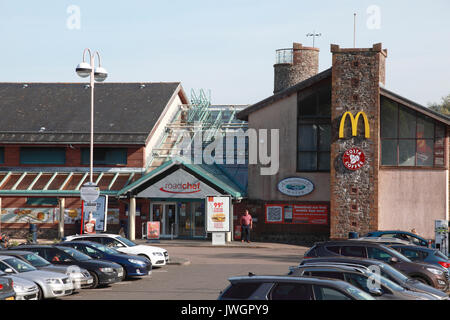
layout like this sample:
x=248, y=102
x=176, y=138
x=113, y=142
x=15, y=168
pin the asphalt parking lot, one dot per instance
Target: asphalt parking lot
x=198, y=271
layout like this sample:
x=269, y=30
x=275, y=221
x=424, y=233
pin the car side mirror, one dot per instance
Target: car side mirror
x=376, y=292
x=9, y=270
x=393, y=260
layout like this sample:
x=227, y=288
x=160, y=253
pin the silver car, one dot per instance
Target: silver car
x=81, y=278
x=50, y=284
x=25, y=289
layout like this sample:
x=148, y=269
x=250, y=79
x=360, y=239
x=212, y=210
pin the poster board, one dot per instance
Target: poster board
x=297, y=214
x=218, y=213
x=100, y=216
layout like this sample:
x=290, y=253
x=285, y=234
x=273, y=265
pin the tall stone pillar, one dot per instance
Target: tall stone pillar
x=132, y=219
x=356, y=78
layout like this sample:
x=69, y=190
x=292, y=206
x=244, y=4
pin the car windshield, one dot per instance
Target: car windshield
x=361, y=295
x=19, y=265
x=75, y=254
x=35, y=260
x=440, y=255
x=394, y=273
x=127, y=242
x=103, y=248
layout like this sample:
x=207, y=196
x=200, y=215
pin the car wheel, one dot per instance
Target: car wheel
x=95, y=280
x=420, y=279
x=40, y=295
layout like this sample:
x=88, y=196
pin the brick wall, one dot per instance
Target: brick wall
x=356, y=75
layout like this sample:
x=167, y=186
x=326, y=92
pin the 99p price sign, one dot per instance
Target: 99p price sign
x=218, y=214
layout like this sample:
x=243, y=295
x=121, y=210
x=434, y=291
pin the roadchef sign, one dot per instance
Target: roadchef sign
x=353, y=159
x=295, y=187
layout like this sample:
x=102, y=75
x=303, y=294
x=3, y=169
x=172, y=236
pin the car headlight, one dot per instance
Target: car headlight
x=136, y=261
x=157, y=254
x=435, y=271
x=52, y=281
x=74, y=275
x=19, y=288
x=106, y=270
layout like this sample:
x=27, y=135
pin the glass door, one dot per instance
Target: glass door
x=165, y=213
x=198, y=216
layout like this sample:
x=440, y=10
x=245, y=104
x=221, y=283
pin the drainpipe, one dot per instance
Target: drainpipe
x=62, y=204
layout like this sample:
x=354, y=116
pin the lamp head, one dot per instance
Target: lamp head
x=84, y=69
x=100, y=74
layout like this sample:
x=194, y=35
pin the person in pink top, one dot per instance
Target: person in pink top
x=246, y=226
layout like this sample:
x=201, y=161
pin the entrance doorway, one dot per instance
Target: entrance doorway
x=191, y=219
x=166, y=214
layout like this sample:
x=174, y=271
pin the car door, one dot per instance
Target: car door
x=378, y=254
x=58, y=256
x=354, y=251
x=326, y=293
x=291, y=291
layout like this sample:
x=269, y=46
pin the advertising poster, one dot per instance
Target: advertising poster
x=98, y=220
x=218, y=214
x=153, y=230
x=28, y=215
x=297, y=214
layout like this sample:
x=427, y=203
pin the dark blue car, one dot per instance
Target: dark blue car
x=402, y=235
x=133, y=265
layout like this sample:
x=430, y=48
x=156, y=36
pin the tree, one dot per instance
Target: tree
x=443, y=107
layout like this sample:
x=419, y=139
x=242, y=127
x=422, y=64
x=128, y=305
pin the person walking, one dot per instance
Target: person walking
x=246, y=226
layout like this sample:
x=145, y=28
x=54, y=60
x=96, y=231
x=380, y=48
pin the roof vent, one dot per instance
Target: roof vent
x=142, y=86
x=25, y=85
x=42, y=129
x=87, y=86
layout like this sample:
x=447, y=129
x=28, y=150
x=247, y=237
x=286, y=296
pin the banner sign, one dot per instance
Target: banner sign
x=153, y=230
x=99, y=217
x=297, y=214
x=218, y=213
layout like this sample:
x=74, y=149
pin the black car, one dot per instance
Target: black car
x=102, y=272
x=361, y=277
x=290, y=288
x=427, y=273
x=384, y=269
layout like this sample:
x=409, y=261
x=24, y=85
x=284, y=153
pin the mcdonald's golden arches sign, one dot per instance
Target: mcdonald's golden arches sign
x=354, y=124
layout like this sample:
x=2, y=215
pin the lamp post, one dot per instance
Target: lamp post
x=99, y=74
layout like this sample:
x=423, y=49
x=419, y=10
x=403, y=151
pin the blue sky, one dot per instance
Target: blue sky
x=227, y=47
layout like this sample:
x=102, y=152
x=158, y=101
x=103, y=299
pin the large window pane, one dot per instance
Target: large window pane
x=425, y=128
x=324, y=109
x=307, y=161
x=389, y=152
x=324, y=161
x=389, y=119
x=307, y=137
x=407, y=123
x=324, y=137
x=42, y=155
x=308, y=106
x=407, y=152
x=425, y=152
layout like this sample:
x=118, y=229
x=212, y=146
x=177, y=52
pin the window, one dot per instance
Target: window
x=314, y=131
x=291, y=291
x=328, y=274
x=378, y=254
x=2, y=155
x=325, y=293
x=42, y=155
x=414, y=255
x=334, y=249
x=105, y=156
x=409, y=138
x=353, y=251
x=241, y=290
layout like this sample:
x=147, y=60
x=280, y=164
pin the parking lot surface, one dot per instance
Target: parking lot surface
x=199, y=271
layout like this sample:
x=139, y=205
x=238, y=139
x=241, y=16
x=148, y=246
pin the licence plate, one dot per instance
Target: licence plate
x=10, y=298
x=120, y=274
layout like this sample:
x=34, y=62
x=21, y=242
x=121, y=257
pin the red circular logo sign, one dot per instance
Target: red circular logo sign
x=353, y=159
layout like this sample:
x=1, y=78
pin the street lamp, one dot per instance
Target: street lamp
x=99, y=74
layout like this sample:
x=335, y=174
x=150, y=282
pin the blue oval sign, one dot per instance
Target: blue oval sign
x=295, y=187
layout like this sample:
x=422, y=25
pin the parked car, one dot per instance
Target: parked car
x=422, y=254
x=402, y=235
x=158, y=256
x=132, y=265
x=81, y=278
x=383, y=240
x=102, y=272
x=6, y=288
x=427, y=273
x=385, y=270
x=290, y=288
x=25, y=289
x=50, y=284
x=361, y=277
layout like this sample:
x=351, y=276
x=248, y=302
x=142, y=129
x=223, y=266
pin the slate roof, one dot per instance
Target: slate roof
x=124, y=112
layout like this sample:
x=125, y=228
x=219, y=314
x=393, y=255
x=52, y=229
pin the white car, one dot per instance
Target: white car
x=158, y=256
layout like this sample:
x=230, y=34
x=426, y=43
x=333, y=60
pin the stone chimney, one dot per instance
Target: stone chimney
x=294, y=65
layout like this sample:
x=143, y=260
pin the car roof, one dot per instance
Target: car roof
x=343, y=259
x=331, y=266
x=412, y=246
x=349, y=242
x=80, y=242
x=16, y=252
x=317, y=280
x=108, y=235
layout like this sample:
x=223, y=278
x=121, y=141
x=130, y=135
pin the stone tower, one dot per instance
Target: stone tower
x=294, y=65
x=356, y=78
